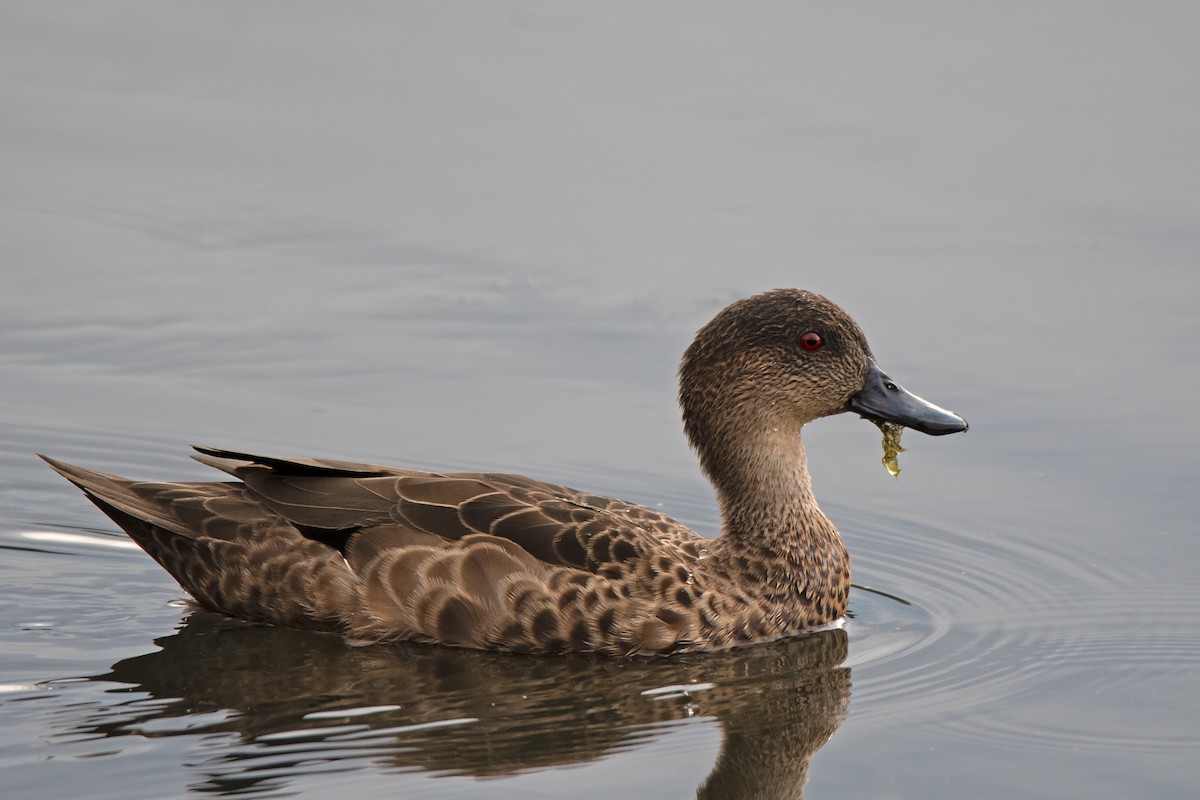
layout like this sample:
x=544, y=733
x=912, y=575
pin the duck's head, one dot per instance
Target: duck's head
x=768, y=364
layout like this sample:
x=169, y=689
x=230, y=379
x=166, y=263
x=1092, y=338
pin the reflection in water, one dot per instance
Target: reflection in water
x=300, y=702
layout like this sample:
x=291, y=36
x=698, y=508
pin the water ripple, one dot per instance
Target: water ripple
x=1004, y=636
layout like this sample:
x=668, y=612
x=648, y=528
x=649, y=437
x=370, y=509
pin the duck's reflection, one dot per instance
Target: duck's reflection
x=777, y=704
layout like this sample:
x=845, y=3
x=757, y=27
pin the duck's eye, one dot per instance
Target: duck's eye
x=811, y=341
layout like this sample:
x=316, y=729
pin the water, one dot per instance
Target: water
x=454, y=237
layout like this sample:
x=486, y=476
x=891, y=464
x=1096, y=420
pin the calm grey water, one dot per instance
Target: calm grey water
x=457, y=236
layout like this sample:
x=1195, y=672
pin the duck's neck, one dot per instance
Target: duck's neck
x=767, y=505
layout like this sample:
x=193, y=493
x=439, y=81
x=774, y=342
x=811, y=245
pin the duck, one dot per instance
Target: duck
x=504, y=562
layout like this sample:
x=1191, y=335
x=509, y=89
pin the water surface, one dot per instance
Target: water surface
x=451, y=237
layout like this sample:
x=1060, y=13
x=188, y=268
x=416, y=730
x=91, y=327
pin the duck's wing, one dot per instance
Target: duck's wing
x=488, y=560
x=382, y=507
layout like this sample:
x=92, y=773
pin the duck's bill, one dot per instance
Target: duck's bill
x=884, y=400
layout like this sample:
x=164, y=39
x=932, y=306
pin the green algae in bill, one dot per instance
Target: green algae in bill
x=891, y=446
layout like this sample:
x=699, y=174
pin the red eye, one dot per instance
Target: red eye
x=811, y=341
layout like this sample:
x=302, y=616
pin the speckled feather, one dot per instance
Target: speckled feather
x=504, y=562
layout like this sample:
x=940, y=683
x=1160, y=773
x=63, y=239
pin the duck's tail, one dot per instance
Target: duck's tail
x=224, y=548
x=140, y=514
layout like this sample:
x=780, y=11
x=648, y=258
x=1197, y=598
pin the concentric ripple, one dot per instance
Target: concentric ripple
x=1005, y=641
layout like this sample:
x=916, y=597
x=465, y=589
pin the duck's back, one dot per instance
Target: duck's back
x=476, y=559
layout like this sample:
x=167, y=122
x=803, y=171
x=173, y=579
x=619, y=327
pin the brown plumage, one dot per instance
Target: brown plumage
x=504, y=562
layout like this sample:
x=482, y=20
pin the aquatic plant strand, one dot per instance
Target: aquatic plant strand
x=891, y=446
